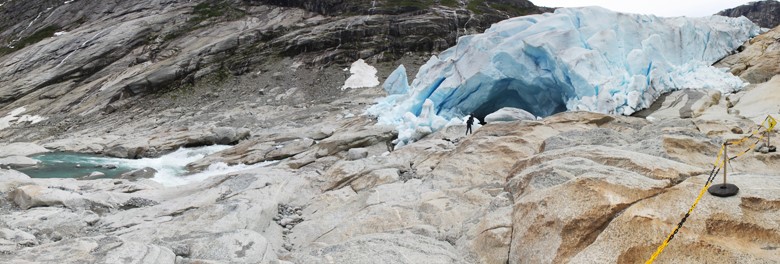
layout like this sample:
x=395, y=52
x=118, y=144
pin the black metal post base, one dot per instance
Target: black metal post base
x=723, y=190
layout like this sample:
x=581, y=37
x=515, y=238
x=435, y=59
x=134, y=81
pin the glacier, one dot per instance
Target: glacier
x=587, y=58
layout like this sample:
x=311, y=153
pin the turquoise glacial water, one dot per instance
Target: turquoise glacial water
x=170, y=167
x=75, y=165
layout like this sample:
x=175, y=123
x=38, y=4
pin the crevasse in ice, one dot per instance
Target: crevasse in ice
x=586, y=58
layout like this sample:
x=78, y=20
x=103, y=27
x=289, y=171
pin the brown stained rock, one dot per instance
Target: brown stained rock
x=720, y=230
x=585, y=197
x=694, y=151
x=757, y=63
x=647, y=165
x=760, y=204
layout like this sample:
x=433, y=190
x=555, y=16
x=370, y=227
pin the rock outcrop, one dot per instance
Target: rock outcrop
x=765, y=13
x=756, y=61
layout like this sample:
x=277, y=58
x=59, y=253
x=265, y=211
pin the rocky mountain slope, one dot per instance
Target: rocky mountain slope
x=765, y=13
x=87, y=58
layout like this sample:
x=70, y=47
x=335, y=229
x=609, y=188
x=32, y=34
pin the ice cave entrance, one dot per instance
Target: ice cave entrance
x=539, y=101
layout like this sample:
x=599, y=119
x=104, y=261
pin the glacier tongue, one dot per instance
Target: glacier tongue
x=586, y=58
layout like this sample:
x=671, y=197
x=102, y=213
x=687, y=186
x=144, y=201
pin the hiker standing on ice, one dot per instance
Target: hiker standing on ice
x=469, y=122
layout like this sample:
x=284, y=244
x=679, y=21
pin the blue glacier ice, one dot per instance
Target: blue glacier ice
x=586, y=58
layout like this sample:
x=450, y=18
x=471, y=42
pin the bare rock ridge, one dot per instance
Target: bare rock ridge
x=765, y=13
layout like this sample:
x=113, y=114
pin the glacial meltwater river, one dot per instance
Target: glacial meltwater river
x=170, y=167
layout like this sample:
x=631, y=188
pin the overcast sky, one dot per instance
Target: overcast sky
x=690, y=8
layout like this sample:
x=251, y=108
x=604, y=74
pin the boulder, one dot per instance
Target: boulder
x=93, y=175
x=227, y=135
x=29, y=196
x=322, y=133
x=145, y=173
x=10, y=179
x=21, y=149
x=357, y=153
x=127, y=150
x=17, y=162
x=361, y=137
x=509, y=114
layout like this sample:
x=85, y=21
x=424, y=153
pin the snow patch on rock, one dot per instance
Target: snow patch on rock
x=363, y=75
x=13, y=117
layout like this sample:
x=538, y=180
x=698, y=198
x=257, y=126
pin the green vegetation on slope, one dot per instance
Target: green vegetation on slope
x=39, y=35
x=216, y=9
x=450, y=3
x=479, y=6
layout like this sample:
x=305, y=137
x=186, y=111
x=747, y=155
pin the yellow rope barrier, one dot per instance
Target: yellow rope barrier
x=717, y=165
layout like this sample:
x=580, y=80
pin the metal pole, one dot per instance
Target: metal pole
x=724, y=189
x=725, y=159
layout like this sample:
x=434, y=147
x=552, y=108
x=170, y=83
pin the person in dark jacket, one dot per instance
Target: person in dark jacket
x=469, y=122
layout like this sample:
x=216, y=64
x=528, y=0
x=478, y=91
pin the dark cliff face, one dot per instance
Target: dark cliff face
x=395, y=7
x=367, y=28
x=373, y=27
x=764, y=13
